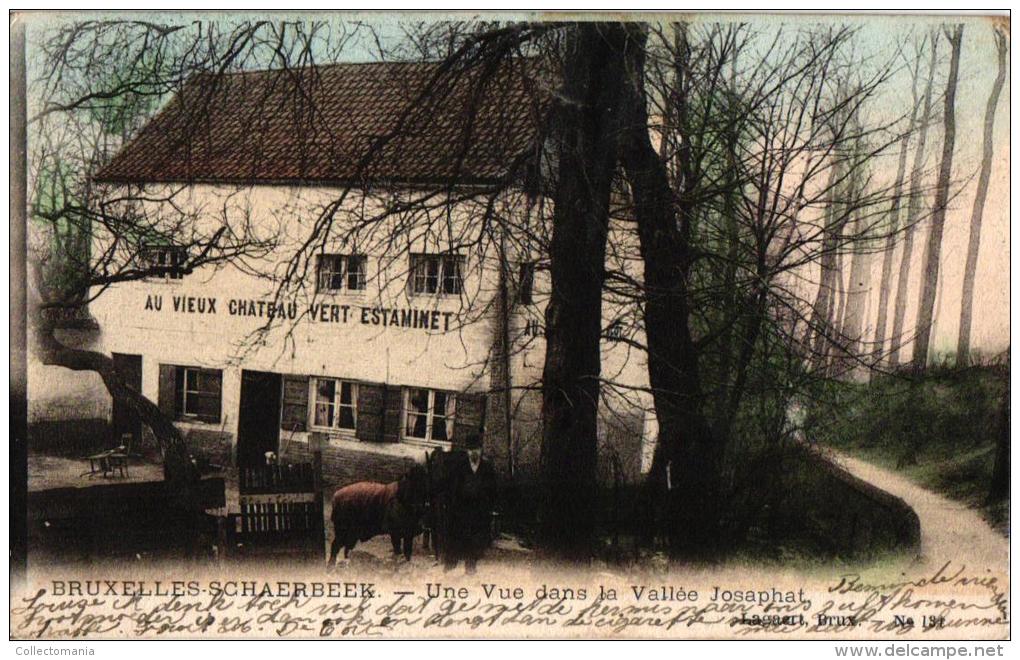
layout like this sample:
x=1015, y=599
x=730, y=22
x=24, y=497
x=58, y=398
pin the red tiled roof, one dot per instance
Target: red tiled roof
x=339, y=123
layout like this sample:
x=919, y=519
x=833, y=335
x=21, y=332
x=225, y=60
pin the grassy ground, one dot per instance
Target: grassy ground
x=939, y=431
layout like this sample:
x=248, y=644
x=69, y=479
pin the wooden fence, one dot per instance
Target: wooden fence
x=281, y=513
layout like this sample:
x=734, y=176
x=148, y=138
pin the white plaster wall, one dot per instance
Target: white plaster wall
x=452, y=358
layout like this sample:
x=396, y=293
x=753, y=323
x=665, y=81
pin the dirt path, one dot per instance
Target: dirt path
x=949, y=530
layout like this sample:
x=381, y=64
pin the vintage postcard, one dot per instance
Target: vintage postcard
x=418, y=326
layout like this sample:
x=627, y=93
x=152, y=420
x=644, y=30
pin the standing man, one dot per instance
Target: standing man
x=472, y=496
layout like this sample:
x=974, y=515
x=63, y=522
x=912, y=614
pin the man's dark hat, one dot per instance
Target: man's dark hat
x=473, y=441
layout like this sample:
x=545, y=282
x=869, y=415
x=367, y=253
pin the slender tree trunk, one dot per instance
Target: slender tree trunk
x=823, y=308
x=885, y=279
x=974, y=244
x=913, y=212
x=857, y=293
x=933, y=250
x=586, y=128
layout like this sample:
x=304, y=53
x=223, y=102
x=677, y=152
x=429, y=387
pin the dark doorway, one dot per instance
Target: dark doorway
x=125, y=421
x=258, y=423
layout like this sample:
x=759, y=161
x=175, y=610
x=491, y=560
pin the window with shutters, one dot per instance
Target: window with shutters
x=163, y=261
x=436, y=274
x=336, y=404
x=342, y=272
x=429, y=415
x=198, y=394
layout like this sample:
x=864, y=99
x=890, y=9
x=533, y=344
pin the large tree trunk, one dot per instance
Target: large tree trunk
x=933, y=250
x=687, y=449
x=586, y=131
x=973, y=245
x=896, y=338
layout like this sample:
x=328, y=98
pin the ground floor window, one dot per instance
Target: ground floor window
x=198, y=393
x=336, y=404
x=428, y=414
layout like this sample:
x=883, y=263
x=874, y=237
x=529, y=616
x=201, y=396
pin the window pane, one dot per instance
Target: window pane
x=203, y=405
x=325, y=389
x=208, y=381
x=439, y=429
x=355, y=272
x=451, y=275
x=324, y=273
x=347, y=417
x=416, y=425
x=418, y=401
x=346, y=393
x=439, y=408
x=323, y=414
x=431, y=275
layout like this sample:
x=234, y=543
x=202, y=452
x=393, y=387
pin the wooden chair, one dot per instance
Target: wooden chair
x=108, y=463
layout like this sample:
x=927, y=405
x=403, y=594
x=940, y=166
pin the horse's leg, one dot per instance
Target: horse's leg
x=395, y=542
x=334, y=549
x=408, y=541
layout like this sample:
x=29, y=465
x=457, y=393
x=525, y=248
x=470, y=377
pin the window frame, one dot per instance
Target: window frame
x=181, y=412
x=336, y=405
x=437, y=267
x=449, y=417
x=343, y=260
x=167, y=266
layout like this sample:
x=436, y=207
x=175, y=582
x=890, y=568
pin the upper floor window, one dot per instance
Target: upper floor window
x=615, y=330
x=338, y=272
x=436, y=273
x=526, y=283
x=164, y=261
x=198, y=394
x=429, y=414
x=336, y=404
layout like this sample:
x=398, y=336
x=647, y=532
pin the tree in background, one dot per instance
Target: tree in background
x=974, y=242
x=933, y=249
x=915, y=204
x=895, y=212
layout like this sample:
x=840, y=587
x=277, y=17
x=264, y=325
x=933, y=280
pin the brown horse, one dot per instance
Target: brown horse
x=366, y=509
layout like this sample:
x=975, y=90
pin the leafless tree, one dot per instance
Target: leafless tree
x=914, y=210
x=974, y=242
x=896, y=211
x=933, y=249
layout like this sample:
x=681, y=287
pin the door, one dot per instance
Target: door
x=125, y=420
x=258, y=422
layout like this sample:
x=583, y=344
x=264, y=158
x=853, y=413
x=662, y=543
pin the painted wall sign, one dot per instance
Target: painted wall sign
x=400, y=317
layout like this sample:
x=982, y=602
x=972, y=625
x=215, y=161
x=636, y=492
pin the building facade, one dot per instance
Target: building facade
x=411, y=321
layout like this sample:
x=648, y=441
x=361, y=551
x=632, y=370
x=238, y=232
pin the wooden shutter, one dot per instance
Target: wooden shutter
x=469, y=416
x=370, y=412
x=167, y=389
x=393, y=406
x=294, y=416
